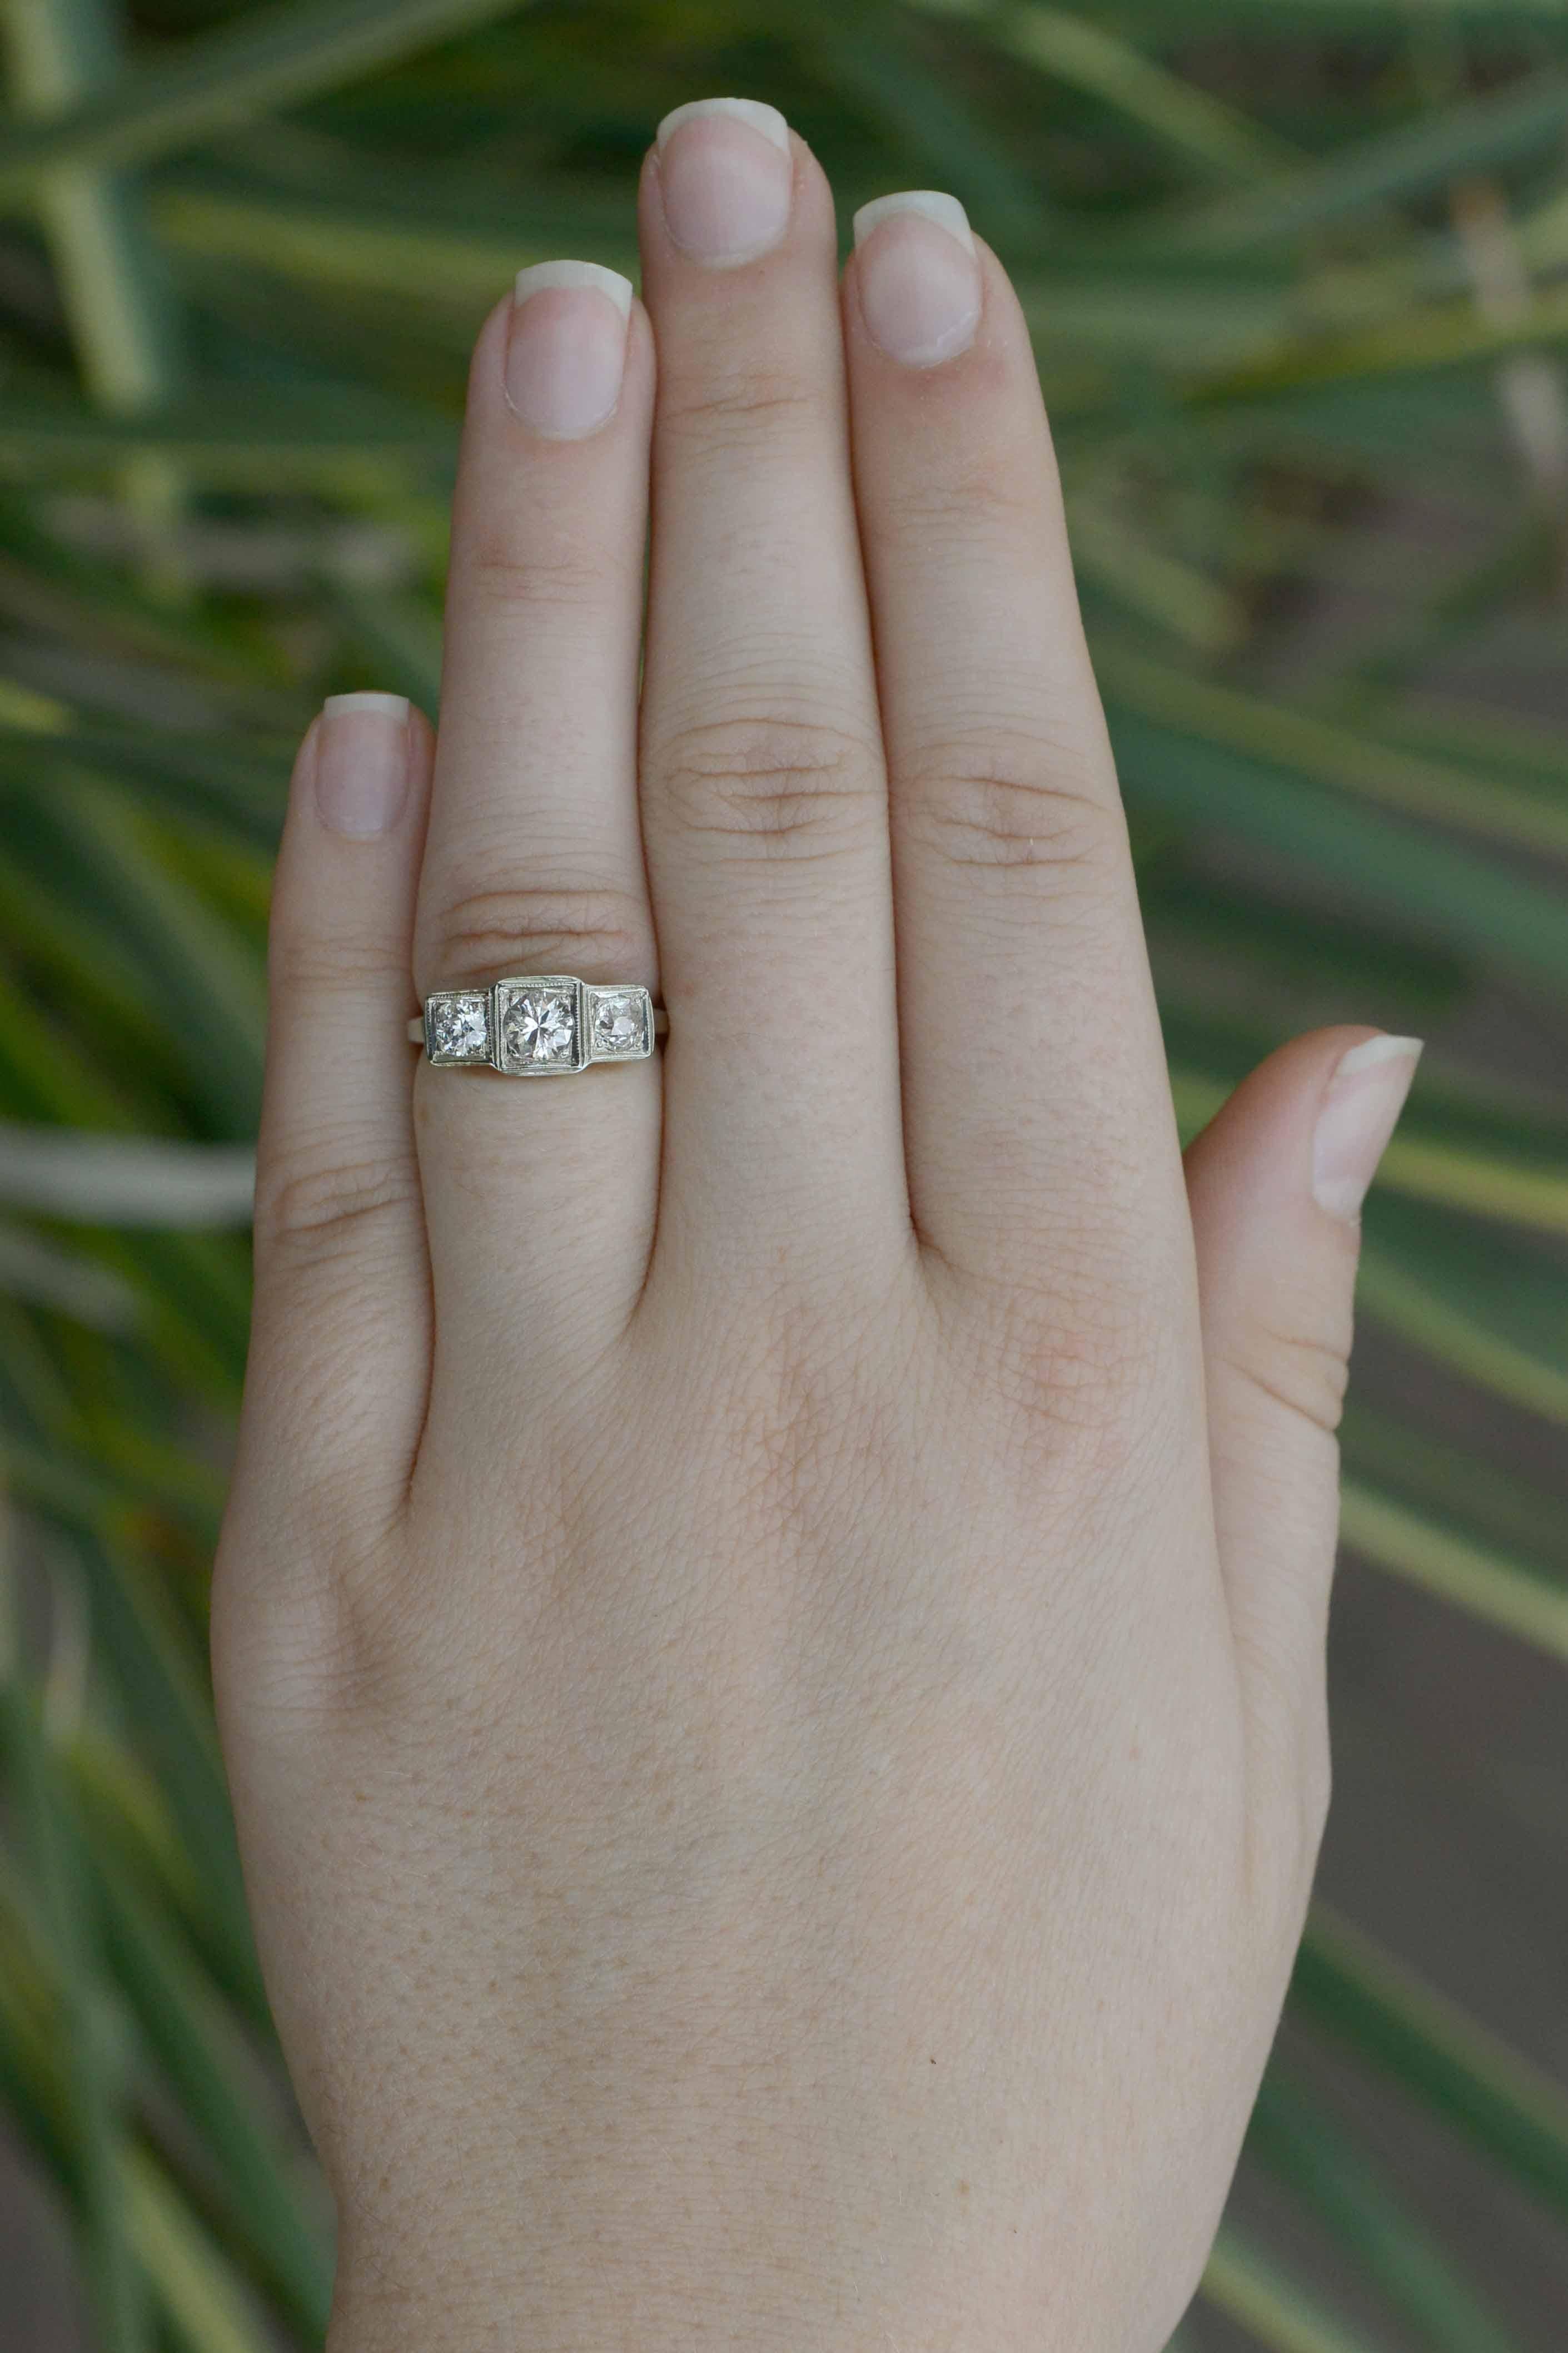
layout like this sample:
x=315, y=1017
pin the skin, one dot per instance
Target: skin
x=769, y=1632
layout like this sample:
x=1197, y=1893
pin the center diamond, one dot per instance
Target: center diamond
x=539, y=1029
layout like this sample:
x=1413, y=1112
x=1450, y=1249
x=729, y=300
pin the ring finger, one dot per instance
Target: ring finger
x=535, y=857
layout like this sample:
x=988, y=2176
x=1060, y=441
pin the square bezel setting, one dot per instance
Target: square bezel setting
x=620, y=1025
x=457, y=1024
x=540, y=1030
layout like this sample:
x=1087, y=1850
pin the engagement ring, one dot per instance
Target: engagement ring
x=537, y=1027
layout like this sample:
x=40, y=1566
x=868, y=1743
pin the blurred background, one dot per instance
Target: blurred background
x=1297, y=276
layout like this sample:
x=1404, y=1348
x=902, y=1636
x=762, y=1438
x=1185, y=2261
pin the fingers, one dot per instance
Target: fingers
x=534, y=861
x=1036, y=1109
x=1275, y=1183
x=764, y=799
x=341, y=1333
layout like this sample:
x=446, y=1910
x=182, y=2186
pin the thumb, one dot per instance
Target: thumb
x=1275, y=1185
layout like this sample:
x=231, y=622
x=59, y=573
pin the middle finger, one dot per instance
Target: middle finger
x=764, y=797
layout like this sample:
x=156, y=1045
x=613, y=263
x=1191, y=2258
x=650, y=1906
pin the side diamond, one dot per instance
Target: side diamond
x=459, y=1027
x=620, y=1022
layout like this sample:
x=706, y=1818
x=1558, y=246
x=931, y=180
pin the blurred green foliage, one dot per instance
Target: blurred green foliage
x=1289, y=263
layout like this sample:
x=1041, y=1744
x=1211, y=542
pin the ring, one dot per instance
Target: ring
x=537, y=1026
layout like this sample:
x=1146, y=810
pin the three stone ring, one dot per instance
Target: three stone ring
x=537, y=1026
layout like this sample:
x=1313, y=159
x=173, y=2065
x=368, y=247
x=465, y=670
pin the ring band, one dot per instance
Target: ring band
x=537, y=1026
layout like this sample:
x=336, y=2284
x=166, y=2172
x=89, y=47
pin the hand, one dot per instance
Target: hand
x=770, y=1628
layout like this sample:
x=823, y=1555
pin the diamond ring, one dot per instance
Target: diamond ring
x=537, y=1026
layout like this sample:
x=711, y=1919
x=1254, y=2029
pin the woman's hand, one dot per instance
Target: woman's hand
x=770, y=1629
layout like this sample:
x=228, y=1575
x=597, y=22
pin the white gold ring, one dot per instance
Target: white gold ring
x=537, y=1026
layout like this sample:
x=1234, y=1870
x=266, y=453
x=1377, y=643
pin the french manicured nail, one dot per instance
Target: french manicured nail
x=566, y=347
x=726, y=177
x=918, y=275
x=1364, y=1097
x=362, y=762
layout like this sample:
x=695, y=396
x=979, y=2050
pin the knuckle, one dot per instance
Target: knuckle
x=315, y=1641
x=305, y=962
x=796, y=787
x=1303, y=1372
x=805, y=1420
x=1085, y=1369
x=736, y=407
x=974, y=497
x=310, y=1211
x=507, y=570
x=1084, y=1411
x=1077, y=1370
x=1007, y=800
x=596, y=930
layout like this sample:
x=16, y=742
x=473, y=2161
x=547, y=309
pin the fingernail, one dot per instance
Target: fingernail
x=1364, y=1098
x=362, y=762
x=918, y=275
x=566, y=347
x=726, y=177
